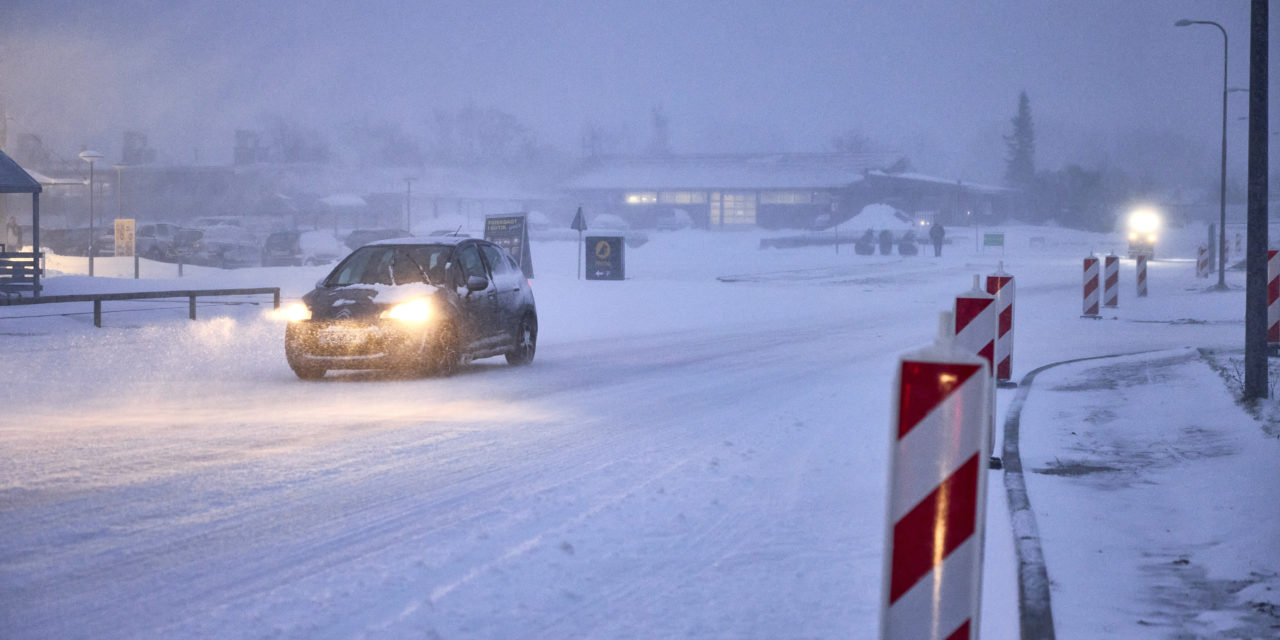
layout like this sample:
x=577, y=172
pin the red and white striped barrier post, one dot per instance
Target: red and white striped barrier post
x=1202, y=261
x=1111, y=282
x=1141, y=278
x=1090, y=287
x=932, y=587
x=1273, y=299
x=975, y=317
x=1001, y=285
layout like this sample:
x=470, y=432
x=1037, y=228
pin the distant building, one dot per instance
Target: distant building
x=771, y=191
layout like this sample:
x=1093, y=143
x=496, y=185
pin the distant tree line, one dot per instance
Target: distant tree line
x=1072, y=196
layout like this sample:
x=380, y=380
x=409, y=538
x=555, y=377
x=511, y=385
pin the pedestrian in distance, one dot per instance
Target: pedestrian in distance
x=936, y=234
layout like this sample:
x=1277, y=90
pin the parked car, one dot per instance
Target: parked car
x=75, y=242
x=163, y=241
x=361, y=237
x=423, y=305
x=296, y=248
x=226, y=246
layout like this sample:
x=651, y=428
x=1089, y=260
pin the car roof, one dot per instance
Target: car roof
x=439, y=240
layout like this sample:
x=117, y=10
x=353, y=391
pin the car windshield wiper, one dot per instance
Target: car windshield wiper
x=422, y=272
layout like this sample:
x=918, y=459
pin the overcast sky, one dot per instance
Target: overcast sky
x=1110, y=82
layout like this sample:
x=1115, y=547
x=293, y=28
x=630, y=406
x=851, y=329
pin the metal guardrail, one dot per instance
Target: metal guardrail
x=98, y=298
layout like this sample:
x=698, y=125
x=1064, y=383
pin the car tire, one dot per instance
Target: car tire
x=444, y=355
x=526, y=342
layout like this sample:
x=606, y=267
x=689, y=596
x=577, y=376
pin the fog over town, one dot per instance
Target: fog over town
x=1112, y=85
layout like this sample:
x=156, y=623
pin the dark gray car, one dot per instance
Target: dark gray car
x=424, y=305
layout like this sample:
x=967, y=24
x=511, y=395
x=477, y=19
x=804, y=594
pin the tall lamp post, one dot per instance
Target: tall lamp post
x=1222, y=193
x=91, y=157
x=408, y=203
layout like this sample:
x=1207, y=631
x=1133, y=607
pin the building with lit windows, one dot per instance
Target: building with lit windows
x=771, y=191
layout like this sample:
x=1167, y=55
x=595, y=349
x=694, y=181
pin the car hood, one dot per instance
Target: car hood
x=362, y=301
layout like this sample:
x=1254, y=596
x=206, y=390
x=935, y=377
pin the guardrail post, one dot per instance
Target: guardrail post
x=275, y=298
x=191, y=304
x=97, y=313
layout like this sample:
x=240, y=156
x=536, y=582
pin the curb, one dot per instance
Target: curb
x=1035, y=610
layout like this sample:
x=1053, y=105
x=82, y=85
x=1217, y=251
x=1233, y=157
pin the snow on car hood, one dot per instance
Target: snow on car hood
x=392, y=294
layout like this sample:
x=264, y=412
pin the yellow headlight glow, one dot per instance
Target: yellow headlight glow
x=296, y=312
x=411, y=311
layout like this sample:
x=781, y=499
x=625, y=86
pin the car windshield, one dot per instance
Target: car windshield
x=390, y=264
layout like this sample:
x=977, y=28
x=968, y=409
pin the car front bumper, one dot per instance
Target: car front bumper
x=356, y=345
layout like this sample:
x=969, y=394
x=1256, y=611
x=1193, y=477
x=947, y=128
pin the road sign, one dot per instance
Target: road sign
x=605, y=258
x=511, y=233
x=124, y=237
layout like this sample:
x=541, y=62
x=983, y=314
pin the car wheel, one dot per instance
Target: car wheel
x=443, y=356
x=526, y=342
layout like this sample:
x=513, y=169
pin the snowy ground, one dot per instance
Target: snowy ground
x=698, y=451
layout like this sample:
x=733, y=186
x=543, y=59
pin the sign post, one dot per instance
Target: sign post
x=605, y=258
x=511, y=233
x=932, y=585
x=579, y=225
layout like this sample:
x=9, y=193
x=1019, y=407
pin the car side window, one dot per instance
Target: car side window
x=469, y=263
x=493, y=256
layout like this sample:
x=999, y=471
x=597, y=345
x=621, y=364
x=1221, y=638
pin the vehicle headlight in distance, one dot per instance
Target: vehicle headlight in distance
x=1132, y=236
x=412, y=311
x=1151, y=238
x=1144, y=221
x=296, y=312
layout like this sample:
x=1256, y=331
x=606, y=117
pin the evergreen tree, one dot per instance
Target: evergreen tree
x=1020, y=164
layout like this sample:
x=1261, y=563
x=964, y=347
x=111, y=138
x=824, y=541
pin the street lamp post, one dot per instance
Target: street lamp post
x=91, y=157
x=408, y=204
x=1222, y=185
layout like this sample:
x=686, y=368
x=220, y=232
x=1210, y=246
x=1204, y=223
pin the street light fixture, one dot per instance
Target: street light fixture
x=1222, y=193
x=91, y=157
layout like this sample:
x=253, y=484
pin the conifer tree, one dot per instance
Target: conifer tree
x=1020, y=164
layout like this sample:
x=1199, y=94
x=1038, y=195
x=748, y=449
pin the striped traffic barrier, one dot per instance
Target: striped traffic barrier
x=975, y=327
x=1090, y=287
x=1001, y=285
x=1141, y=277
x=975, y=314
x=932, y=587
x=1273, y=298
x=1111, y=282
x=1202, y=261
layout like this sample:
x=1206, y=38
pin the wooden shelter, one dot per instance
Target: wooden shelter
x=19, y=270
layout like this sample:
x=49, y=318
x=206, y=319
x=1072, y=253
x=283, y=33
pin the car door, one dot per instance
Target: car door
x=507, y=283
x=478, y=308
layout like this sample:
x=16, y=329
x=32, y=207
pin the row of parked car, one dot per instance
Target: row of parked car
x=218, y=244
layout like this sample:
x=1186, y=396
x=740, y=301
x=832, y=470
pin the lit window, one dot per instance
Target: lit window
x=642, y=197
x=682, y=197
x=786, y=197
x=733, y=208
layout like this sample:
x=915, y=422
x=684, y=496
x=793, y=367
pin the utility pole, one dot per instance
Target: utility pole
x=408, y=204
x=1255, y=307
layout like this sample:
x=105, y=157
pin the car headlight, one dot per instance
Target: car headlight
x=411, y=311
x=296, y=312
x=1151, y=238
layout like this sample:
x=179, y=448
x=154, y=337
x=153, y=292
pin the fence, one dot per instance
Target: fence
x=98, y=298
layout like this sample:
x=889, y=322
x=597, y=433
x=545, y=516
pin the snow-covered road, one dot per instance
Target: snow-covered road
x=687, y=457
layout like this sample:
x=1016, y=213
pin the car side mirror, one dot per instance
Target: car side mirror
x=477, y=283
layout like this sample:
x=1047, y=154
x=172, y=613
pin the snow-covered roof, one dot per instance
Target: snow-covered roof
x=775, y=171
x=13, y=179
x=935, y=180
